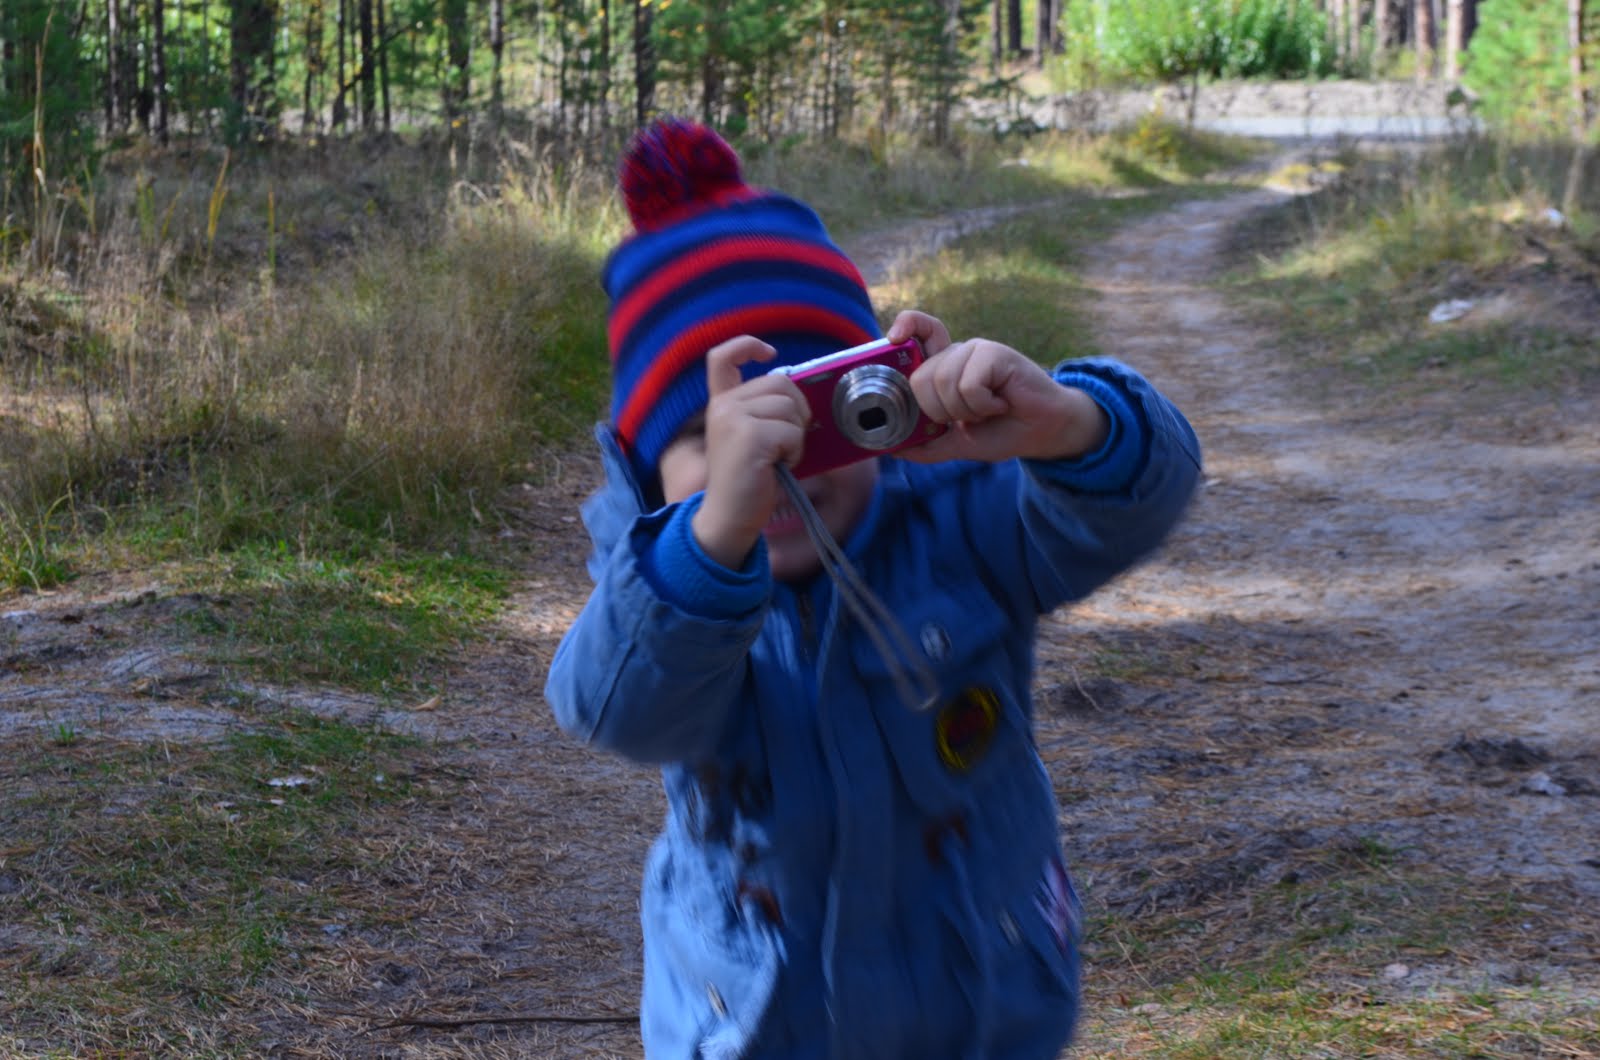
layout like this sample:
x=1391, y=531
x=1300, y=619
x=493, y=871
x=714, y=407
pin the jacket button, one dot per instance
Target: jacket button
x=717, y=1004
x=1008, y=928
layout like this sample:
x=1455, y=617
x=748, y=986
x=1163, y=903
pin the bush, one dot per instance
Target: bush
x=1167, y=40
x=1517, y=63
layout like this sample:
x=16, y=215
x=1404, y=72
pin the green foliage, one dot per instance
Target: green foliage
x=30, y=551
x=1518, y=65
x=362, y=619
x=42, y=133
x=1169, y=40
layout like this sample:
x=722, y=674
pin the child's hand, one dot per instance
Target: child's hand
x=999, y=404
x=750, y=427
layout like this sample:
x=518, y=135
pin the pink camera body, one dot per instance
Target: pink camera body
x=861, y=404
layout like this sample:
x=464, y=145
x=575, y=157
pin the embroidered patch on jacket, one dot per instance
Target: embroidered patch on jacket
x=1058, y=903
x=965, y=728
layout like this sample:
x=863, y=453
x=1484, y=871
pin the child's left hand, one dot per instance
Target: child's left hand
x=999, y=403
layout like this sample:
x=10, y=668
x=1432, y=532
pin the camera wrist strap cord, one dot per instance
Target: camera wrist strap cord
x=914, y=680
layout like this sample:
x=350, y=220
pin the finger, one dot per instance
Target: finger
x=725, y=359
x=928, y=384
x=780, y=384
x=928, y=330
x=777, y=406
x=979, y=387
x=775, y=441
x=954, y=444
x=950, y=382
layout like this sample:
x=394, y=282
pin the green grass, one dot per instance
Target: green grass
x=306, y=447
x=31, y=554
x=1351, y=274
x=371, y=622
x=1312, y=968
x=165, y=879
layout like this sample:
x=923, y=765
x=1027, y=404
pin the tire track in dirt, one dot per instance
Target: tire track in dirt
x=1381, y=621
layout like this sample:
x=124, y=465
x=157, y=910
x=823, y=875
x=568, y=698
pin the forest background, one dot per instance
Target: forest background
x=298, y=310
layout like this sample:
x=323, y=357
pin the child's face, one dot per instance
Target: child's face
x=840, y=497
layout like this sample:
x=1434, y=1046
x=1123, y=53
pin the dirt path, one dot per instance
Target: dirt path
x=1374, y=629
x=1381, y=625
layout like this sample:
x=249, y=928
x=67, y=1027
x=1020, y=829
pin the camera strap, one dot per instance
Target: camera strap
x=914, y=679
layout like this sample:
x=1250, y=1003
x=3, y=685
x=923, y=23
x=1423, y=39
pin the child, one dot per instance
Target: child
x=839, y=875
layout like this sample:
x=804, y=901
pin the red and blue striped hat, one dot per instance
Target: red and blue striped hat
x=712, y=258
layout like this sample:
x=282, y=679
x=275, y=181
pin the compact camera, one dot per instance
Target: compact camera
x=861, y=404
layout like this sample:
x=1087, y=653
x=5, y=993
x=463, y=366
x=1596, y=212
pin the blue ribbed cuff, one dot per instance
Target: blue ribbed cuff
x=686, y=577
x=1112, y=467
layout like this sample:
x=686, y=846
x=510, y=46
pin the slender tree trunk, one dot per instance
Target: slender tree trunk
x=1581, y=103
x=383, y=64
x=1380, y=32
x=1049, y=13
x=497, y=48
x=644, y=63
x=316, y=64
x=342, y=33
x=158, y=65
x=996, y=35
x=366, y=72
x=458, y=51
x=1014, y=27
x=251, y=35
x=605, y=63
x=1455, y=38
x=1424, y=39
x=1336, y=29
x=115, y=113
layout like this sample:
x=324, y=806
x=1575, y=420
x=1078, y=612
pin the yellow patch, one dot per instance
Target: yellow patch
x=965, y=728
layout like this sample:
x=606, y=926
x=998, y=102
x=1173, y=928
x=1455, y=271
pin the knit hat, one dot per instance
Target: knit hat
x=710, y=259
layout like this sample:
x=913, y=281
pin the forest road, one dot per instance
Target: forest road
x=1378, y=627
x=1379, y=624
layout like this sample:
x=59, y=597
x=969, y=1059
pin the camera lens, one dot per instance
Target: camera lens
x=873, y=407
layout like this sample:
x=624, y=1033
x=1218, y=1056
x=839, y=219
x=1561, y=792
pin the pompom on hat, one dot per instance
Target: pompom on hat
x=710, y=259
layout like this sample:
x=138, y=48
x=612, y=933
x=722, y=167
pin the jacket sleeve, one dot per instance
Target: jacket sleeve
x=1082, y=522
x=638, y=673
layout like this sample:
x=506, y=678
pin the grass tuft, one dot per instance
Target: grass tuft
x=1367, y=261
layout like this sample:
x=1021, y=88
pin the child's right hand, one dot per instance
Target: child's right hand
x=750, y=427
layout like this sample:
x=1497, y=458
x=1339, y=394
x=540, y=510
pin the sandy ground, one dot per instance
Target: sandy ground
x=1380, y=624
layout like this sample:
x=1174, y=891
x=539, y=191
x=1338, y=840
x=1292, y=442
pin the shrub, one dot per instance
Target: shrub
x=1517, y=63
x=1167, y=40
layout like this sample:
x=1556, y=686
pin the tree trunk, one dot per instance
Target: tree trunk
x=458, y=53
x=497, y=48
x=383, y=63
x=644, y=63
x=316, y=64
x=341, y=31
x=1424, y=39
x=605, y=63
x=1014, y=27
x=997, y=29
x=1580, y=108
x=1380, y=31
x=710, y=88
x=116, y=95
x=1455, y=39
x=1046, y=31
x=158, y=65
x=366, y=72
x=250, y=35
x=1336, y=28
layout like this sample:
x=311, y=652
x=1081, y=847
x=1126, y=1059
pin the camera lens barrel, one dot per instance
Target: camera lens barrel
x=873, y=407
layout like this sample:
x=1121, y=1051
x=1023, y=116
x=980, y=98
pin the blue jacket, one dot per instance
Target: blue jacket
x=840, y=876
